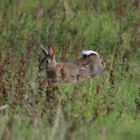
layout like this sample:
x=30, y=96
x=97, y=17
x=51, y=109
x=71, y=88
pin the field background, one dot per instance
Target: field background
x=104, y=108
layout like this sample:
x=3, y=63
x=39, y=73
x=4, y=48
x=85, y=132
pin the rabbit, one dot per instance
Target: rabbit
x=89, y=65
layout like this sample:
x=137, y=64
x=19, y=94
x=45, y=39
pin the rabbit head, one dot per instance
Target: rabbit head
x=48, y=62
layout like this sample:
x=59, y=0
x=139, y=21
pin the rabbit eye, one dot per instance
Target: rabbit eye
x=47, y=61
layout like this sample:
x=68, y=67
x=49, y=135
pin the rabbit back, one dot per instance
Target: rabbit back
x=66, y=72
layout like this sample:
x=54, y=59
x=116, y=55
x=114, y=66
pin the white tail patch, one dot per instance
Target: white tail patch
x=89, y=52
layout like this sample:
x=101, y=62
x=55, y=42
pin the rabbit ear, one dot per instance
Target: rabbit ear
x=44, y=50
x=51, y=51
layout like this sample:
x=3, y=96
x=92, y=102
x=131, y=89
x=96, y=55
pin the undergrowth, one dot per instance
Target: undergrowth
x=106, y=107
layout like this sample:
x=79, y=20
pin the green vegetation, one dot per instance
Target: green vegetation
x=104, y=108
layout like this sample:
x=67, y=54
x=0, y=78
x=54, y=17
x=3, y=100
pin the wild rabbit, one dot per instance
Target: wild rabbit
x=88, y=66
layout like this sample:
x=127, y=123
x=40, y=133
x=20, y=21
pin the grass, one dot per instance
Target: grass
x=106, y=107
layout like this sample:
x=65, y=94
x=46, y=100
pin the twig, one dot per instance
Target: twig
x=4, y=107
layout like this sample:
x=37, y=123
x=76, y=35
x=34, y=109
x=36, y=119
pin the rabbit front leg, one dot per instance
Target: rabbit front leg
x=44, y=84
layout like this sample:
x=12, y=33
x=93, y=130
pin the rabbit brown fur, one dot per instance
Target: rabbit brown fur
x=75, y=71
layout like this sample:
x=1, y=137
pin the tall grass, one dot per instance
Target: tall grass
x=106, y=107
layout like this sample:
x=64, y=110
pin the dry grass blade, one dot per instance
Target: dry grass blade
x=56, y=123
